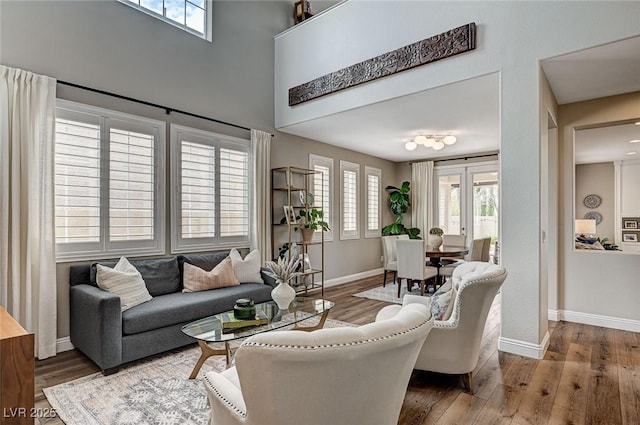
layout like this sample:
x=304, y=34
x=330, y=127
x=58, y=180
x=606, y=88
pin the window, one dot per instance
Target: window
x=374, y=181
x=350, y=177
x=193, y=16
x=210, y=181
x=107, y=197
x=323, y=189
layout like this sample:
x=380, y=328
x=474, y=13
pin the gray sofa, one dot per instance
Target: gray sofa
x=110, y=337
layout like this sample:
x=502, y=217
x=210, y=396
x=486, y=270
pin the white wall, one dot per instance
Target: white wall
x=597, y=287
x=512, y=38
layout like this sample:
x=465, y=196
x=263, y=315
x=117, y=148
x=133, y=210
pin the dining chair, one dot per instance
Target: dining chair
x=389, y=256
x=412, y=264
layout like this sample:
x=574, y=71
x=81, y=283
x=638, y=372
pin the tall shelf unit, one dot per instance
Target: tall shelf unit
x=289, y=188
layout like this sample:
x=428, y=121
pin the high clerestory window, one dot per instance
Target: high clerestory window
x=193, y=16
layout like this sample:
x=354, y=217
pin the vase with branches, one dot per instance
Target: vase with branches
x=283, y=271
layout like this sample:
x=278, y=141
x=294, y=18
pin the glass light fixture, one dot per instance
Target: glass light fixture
x=410, y=145
x=438, y=146
x=429, y=142
x=449, y=140
x=421, y=140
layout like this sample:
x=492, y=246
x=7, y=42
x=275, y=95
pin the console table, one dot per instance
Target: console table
x=17, y=372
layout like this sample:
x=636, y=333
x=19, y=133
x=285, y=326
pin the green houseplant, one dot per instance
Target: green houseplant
x=399, y=203
x=312, y=221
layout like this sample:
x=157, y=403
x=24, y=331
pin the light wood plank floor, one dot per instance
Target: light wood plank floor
x=589, y=376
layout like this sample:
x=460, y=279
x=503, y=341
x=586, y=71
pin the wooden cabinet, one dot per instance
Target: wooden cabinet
x=17, y=372
x=292, y=192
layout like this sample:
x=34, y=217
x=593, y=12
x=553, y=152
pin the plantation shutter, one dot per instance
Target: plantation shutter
x=198, y=190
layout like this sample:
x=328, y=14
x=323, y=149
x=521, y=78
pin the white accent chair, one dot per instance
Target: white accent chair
x=412, y=264
x=389, y=256
x=453, y=346
x=478, y=251
x=328, y=376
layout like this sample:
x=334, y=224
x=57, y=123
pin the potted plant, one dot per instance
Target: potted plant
x=312, y=221
x=399, y=203
x=435, y=237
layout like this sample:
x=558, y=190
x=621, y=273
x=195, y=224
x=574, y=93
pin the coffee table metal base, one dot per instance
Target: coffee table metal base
x=207, y=351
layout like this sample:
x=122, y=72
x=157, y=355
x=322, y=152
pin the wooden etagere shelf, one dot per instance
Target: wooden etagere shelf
x=291, y=187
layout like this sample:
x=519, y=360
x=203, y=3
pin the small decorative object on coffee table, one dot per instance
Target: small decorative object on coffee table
x=283, y=271
x=244, y=309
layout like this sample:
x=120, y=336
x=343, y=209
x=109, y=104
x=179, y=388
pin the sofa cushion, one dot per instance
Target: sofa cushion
x=124, y=281
x=205, y=261
x=175, y=308
x=247, y=269
x=195, y=279
x=161, y=275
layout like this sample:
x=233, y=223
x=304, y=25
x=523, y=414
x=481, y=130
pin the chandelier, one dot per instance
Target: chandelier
x=436, y=142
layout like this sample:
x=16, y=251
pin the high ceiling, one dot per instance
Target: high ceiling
x=470, y=109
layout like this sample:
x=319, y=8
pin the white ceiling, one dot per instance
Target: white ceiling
x=470, y=109
x=606, y=144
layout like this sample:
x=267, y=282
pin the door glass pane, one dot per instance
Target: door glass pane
x=449, y=204
x=485, y=207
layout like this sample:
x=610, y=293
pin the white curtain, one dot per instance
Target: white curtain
x=422, y=190
x=261, y=213
x=27, y=241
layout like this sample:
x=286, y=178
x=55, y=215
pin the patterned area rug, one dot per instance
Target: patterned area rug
x=389, y=293
x=154, y=391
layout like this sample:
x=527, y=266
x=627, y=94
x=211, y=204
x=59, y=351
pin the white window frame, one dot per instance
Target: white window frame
x=323, y=161
x=349, y=234
x=105, y=248
x=183, y=245
x=208, y=15
x=377, y=232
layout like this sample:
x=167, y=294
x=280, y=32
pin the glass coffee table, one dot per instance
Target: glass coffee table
x=209, y=329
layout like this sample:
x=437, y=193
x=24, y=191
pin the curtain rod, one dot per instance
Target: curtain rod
x=167, y=109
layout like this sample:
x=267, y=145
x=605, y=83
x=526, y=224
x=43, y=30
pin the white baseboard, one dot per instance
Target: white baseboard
x=524, y=348
x=64, y=344
x=350, y=278
x=596, y=320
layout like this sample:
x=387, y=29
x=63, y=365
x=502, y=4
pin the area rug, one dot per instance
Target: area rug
x=156, y=391
x=389, y=293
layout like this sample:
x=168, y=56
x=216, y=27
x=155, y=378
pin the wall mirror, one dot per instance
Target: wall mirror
x=607, y=188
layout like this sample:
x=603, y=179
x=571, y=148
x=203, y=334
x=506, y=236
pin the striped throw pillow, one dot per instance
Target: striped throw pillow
x=196, y=279
x=125, y=281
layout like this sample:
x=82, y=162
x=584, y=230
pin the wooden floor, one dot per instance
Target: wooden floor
x=590, y=375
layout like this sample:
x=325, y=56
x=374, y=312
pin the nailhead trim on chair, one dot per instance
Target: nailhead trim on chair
x=221, y=397
x=314, y=347
x=444, y=324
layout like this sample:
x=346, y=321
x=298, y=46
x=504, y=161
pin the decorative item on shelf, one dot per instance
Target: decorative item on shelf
x=312, y=221
x=244, y=309
x=306, y=198
x=302, y=10
x=399, y=203
x=435, y=237
x=592, y=201
x=289, y=214
x=283, y=270
x=593, y=215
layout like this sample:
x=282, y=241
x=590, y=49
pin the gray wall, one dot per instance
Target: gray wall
x=109, y=46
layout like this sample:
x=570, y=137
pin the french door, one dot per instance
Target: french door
x=467, y=201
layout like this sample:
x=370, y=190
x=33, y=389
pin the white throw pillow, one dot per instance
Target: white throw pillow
x=125, y=281
x=247, y=270
x=442, y=301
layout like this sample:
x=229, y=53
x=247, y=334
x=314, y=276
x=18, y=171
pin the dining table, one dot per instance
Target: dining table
x=436, y=254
